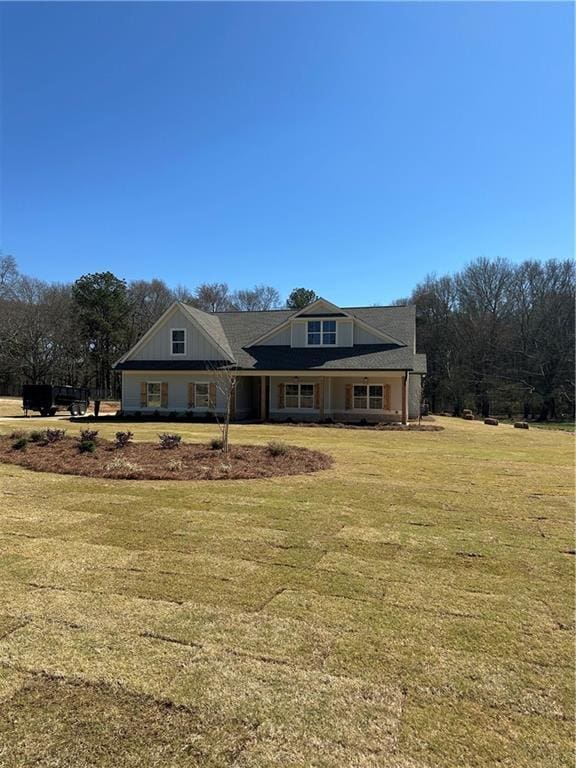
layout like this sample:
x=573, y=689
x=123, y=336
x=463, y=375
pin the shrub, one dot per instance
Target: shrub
x=216, y=444
x=54, y=435
x=175, y=465
x=87, y=446
x=170, y=440
x=38, y=436
x=123, y=466
x=18, y=433
x=88, y=435
x=277, y=449
x=123, y=438
x=21, y=444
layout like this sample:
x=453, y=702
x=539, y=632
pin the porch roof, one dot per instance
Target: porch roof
x=361, y=358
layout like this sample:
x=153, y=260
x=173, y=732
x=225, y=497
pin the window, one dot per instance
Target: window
x=368, y=396
x=321, y=332
x=178, y=341
x=202, y=395
x=153, y=394
x=299, y=396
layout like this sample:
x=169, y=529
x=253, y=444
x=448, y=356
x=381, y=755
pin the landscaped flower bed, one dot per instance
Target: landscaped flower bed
x=151, y=461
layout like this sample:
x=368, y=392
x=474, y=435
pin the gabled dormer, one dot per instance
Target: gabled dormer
x=322, y=324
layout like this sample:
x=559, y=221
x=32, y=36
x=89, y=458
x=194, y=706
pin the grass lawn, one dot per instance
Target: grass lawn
x=565, y=426
x=11, y=406
x=411, y=607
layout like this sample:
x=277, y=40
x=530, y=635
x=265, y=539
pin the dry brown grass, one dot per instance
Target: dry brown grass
x=12, y=407
x=411, y=607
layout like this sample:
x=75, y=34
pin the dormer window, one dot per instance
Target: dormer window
x=178, y=341
x=321, y=332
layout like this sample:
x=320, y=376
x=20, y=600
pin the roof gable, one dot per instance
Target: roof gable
x=321, y=308
x=208, y=331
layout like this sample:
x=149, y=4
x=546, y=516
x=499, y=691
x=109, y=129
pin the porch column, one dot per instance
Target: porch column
x=321, y=397
x=263, y=398
x=405, y=398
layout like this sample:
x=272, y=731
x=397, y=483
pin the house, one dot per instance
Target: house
x=320, y=362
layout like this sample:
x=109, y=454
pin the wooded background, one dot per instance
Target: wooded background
x=499, y=336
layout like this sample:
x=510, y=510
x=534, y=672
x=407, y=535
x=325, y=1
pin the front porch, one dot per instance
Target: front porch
x=340, y=396
x=344, y=397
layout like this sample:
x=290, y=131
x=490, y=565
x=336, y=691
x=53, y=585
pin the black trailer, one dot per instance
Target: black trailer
x=48, y=399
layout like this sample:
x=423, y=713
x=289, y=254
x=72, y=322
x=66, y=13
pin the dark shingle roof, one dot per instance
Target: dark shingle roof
x=235, y=333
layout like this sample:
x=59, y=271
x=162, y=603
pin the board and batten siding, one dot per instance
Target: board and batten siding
x=159, y=346
x=344, y=331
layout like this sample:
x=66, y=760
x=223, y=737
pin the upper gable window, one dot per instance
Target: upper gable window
x=321, y=332
x=178, y=341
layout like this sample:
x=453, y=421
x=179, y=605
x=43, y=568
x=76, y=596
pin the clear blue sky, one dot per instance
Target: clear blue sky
x=350, y=148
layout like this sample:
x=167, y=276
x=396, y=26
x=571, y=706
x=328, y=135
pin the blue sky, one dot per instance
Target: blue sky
x=350, y=148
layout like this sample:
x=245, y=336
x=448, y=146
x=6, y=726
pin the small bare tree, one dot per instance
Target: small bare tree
x=226, y=379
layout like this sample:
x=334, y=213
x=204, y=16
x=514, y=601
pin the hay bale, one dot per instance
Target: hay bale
x=521, y=425
x=491, y=422
x=468, y=416
x=466, y=411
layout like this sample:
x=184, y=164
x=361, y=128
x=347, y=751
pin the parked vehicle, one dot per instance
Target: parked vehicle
x=48, y=399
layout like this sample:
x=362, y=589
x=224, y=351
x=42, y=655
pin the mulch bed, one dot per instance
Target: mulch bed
x=379, y=427
x=147, y=461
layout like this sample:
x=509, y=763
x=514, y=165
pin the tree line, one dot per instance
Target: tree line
x=72, y=333
x=499, y=337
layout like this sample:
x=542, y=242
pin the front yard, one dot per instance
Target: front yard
x=411, y=607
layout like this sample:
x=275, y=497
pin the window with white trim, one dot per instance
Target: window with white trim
x=299, y=396
x=153, y=394
x=178, y=341
x=368, y=397
x=321, y=332
x=202, y=395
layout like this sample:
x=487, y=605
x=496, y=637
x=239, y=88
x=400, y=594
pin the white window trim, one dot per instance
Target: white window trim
x=203, y=407
x=368, y=409
x=299, y=384
x=172, y=342
x=156, y=407
x=321, y=321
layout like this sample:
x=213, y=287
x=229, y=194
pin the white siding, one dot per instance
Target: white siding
x=177, y=390
x=345, y=333
x=299, y=334
x=159, y=346
x=338, y=405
